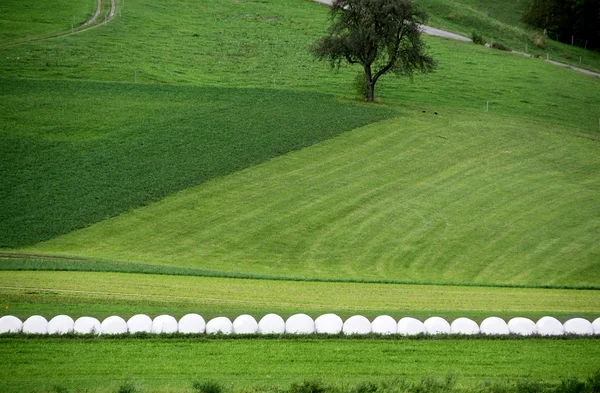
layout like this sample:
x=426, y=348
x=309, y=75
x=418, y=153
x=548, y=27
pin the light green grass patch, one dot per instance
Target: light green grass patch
x=420, y=198
x=104, y=294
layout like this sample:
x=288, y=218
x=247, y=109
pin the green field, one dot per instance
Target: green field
x=104, y=294
x=174, y=364
x=191, y=157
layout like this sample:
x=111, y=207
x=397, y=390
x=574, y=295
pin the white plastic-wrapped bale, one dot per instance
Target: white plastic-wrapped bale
x=139, y=323
x=299, y=324
x=114, y=325
x=464, y=326
x=245, y=324
x=596, y=326
x=494, y=326
x=164, y=324
x=191, y=324
x=437, y=325
x=522, y=326
x=409, y=326
x=35, y=324
x=549, y=326
x=219, y=325
x=384, y=324
x=87, y=325
x=579, y=326
x=357, y=324
x=61, y=324
x=271, y=324
x=10, y=324
x=329, y=324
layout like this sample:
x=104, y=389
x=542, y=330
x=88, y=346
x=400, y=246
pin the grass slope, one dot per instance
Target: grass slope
x=499, y=21
x=24, y=19
x=35, y=364
x=115, y=147
x=103, y=294
x=419, y=198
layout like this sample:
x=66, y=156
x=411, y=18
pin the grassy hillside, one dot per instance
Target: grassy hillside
x=26, y=19
x=464, y=195
x=499, y=21
x=420, y=198
x=75, y=153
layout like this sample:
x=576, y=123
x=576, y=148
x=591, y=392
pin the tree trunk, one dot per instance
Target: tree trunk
x=369, y=84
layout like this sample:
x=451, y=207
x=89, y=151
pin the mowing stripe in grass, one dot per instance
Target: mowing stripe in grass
x=60, y=263
x=99, y=294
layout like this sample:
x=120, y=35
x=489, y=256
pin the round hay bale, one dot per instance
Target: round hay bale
x=114, y=325
x=35, y=324
x=139, y=323
x=164, y=324
x=245, y=324
x=10, y=324
x=596, y=325
x=191, y=324
x=549, y=326
x=219, y=325
x=464, y=326
x=408, y=326
x=329, y=324
x=271, y=324
x=61, y=324
x=437, y=325
x=357, y=324
x=384, y=324
x=494, y=326
x=579, y=326
x=299, y=324
x=522, y=326
x=87, y=325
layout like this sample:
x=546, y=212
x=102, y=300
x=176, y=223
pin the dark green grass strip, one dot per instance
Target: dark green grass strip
x=37, y=364
x=15, y=263
x=75, y=153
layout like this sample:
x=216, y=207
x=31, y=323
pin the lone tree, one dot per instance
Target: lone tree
x=380, y=35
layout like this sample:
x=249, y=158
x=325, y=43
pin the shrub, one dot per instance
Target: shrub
x=365, y=387
x=127, y=387
x=539, y=40
x=477, y=38
x=207, y=387
x=308, y=387
x=500, y=46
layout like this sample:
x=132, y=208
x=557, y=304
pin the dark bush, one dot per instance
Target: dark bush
x=477, y=38
x=127, y=387
x=500, y=46
x=309, y=387
x=207, y=387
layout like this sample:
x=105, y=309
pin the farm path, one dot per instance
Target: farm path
x=87, y=25
x=446, y=34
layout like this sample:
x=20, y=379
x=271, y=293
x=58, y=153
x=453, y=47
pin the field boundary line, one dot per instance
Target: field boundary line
x=25, y=262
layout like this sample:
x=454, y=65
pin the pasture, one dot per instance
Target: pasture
x=194, y=158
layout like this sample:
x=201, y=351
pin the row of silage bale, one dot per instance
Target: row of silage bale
x=297, y=324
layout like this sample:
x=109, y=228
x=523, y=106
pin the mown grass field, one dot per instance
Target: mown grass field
x=172, y=365
x=104, y=294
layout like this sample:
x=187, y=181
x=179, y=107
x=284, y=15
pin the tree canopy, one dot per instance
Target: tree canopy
x=380, y=35
x=570, y=21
